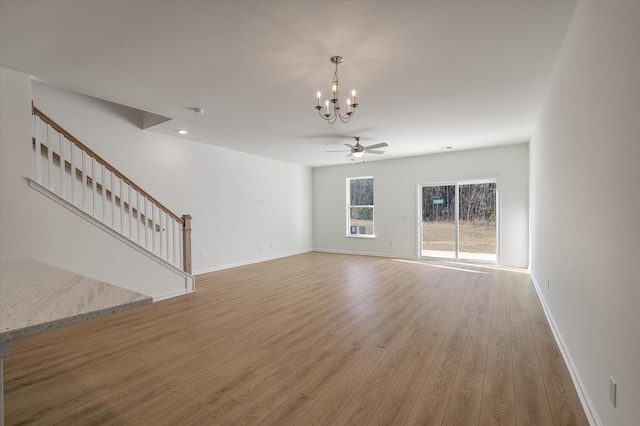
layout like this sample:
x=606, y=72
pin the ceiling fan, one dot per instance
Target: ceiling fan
x=358, y=150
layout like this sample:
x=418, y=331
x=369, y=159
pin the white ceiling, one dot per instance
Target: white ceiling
x=429, y=74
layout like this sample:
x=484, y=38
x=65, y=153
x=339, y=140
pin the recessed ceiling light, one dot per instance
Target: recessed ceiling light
x=183, y=132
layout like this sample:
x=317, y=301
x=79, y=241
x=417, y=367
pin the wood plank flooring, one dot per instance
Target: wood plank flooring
x=314, y=339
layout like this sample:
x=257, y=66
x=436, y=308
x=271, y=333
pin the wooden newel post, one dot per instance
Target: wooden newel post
x=186, y=243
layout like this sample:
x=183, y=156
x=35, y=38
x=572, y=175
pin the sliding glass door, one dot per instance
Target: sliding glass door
x=439, y=221
x=459, y=221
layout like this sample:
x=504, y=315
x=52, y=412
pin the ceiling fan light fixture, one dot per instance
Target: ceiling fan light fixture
x=357, y=154
x=332, y=114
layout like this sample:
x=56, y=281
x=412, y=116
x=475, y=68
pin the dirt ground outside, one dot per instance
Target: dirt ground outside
x=474, y=238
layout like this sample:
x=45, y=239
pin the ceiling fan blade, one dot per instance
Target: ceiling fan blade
x=349, y=145
x=378, y=145
x=374, y=151
x=340, y=150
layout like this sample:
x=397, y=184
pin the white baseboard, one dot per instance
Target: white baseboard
x=248, y=262
x=589, y=408
x=169, y=295
x=365, y=253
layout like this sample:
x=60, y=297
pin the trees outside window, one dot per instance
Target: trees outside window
x=360, y=206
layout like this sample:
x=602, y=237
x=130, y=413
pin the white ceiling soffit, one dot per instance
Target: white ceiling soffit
x=429, y=74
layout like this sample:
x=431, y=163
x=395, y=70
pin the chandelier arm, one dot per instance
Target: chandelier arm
x=345, y=119
x=327, y=118
x=332, y=117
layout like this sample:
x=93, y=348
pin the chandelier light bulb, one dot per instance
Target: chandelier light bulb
x=333, y=114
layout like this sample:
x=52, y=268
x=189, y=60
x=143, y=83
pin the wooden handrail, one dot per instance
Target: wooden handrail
x=184, y=221
x=100, y=160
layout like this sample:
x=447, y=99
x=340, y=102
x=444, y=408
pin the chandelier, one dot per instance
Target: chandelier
x=332, y=114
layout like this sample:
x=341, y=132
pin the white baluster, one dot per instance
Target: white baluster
x=122, y=207
x=94, y=186
x=176, y=244
x=144, y=218
x=114, y=207
x=104, y=194
x=63, y=169
x=85, y=183
x=148, y=230
x=169, y=236
x=153, y=228
x=133, y=216
x=175, y=234
x=180, y=247
x=142, y=235
x=50, y=158
x=163, y=235
x=156, y=230
x=73, y=172
x=38, y=150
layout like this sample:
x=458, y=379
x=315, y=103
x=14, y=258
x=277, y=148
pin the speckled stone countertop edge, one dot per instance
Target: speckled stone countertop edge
x=30, y=330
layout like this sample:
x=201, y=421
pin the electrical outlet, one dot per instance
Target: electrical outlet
x=390, y=244
x=203, y=255
x=612, y=390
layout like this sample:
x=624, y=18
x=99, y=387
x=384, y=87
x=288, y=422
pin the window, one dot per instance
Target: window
x=360, y=206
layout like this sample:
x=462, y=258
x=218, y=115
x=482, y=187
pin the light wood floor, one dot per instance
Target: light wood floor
x=311, y=339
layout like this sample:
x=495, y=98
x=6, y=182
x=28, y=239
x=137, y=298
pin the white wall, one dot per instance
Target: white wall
x=238, y=201
x=395, y=193
x=35, y=227
x=585, y=198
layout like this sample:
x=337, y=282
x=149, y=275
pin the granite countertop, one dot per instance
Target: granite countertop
x=36, y=297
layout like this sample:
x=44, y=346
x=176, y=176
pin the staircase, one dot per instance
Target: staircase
x=67, y=171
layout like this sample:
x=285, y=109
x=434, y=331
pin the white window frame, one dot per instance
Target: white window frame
x=349, y=207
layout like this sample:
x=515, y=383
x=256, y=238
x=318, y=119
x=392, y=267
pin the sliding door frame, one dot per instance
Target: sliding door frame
x=456, y=184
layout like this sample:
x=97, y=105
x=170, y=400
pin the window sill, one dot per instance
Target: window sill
x=359, y=236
